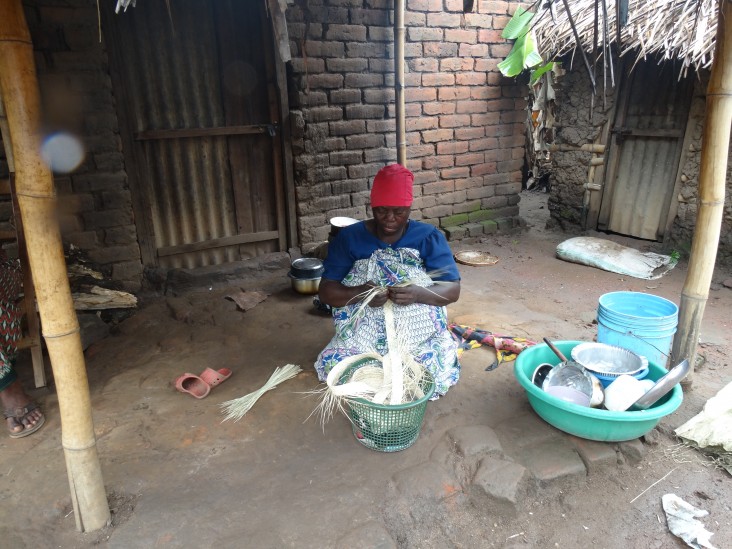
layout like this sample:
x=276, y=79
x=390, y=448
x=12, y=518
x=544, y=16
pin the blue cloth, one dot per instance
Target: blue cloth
x=355, y=242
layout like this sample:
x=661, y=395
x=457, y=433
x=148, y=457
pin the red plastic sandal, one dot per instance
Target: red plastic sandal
x=193, y=385
x=215, y=377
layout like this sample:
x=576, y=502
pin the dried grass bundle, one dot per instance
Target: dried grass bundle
x=673, y=29
x=236, y=408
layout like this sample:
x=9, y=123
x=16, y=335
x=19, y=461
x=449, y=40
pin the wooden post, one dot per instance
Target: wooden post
x=712, y=178
x=37, y=201
x=401, y=136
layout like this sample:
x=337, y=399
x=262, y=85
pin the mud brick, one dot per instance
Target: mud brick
x=505, y=224
x=365, y=141
x=113, y=254
x=470, y=79
x=455, y=173
x=502, y=480
x=437, y=212
x=325, y=49
x=452, y=220
x=423, y=65
x=474, y=229
x=86, y=240
x=380, y=34
x=594, y=454
x=370, y=17
x=347, y=127
x=108, y=218
x=325, y=81
x=454, y=121
x=116, y=236
x=455, y=233
x=438, y=79
x=345, y=96
x=373, y=49
x=113, y=200
x=310, y=65
x=425, y=5
x=438, y=187
x=489, y=226
x=423, y=34
x=470, y=160
x=490, y=36
x=454, y=93
x=433, y=136
x=461, y=36
x=486, y=168
x=453, y=147
x=439, y=49
x=447, y=20
x=480, y=192
x=355, y=112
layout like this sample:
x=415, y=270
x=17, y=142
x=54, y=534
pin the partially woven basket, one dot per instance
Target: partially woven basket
x=387, y=427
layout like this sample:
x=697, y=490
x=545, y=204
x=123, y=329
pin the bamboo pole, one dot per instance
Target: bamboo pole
x=401, y=135
x=37, y=201
x=712, y=178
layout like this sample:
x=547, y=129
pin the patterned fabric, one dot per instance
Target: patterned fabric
x=10, y=317
x=507, y=347
x=423, y=327
x=357, y=242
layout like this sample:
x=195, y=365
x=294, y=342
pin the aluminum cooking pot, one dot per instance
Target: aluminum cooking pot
x=306, y=286
x=306, y=268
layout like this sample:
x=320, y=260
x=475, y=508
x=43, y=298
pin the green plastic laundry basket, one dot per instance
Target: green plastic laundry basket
x=388, y=427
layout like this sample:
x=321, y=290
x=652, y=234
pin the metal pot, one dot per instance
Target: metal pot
x=306, y=268
x=306, y=286
x=337, y=223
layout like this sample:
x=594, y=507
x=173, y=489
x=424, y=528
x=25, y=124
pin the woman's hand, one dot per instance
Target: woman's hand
x=380, y=298
x=437, y=294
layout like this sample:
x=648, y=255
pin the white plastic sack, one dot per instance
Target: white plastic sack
x=711, y=429
x=681, y=518
x=613, y=257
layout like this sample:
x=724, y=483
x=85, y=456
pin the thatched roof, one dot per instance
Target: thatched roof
x=672, y=29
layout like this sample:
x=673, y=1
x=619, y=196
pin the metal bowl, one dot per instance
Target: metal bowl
x=608, y=360
x=305, y=286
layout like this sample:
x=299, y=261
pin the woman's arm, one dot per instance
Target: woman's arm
x=336, y=294
x=440, y=294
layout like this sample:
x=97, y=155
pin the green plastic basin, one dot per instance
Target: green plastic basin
x=590, y=423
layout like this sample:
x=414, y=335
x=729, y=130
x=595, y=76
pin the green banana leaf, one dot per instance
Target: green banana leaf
x=518, y=25
x=538, y=72
x=523, y=55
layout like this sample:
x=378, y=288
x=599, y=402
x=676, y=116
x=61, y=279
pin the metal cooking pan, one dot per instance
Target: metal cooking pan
x=568, y=374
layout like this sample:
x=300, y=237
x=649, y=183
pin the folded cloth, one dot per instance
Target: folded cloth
x=507, y=347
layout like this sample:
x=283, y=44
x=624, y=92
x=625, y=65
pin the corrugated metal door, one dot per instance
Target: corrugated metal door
x=195, y=92
x=648, y=135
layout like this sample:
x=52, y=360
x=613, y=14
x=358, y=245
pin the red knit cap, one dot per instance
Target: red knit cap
x=392, y=187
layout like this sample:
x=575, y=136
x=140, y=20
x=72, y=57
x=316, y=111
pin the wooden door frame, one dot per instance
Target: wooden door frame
x=135, y=161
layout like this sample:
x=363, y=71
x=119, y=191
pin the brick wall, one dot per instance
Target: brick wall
x=464, y=121
x=95, y=208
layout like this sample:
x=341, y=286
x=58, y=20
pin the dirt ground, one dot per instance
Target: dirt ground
x=178, y=477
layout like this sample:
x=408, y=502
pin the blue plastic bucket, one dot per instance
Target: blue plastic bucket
x=642, y=323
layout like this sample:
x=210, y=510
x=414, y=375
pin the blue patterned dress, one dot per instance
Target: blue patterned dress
x=356, y=257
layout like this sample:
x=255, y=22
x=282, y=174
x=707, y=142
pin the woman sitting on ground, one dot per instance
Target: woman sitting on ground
x=23, y=417
x=383, y=252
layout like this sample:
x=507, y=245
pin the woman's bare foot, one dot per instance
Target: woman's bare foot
x=23, y=417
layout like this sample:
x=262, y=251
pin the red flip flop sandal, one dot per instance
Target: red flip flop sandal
x=215, y=377
x=193, y=385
